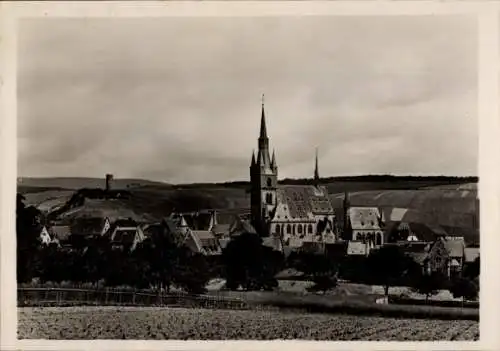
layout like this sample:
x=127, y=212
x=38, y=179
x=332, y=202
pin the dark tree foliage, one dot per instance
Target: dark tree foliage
x=464, y=288
x=251, y=265
x=28, y=227
x=429, y=284
x=319, y=268
x=192, y=273
x=471, y=270
x=388, y=266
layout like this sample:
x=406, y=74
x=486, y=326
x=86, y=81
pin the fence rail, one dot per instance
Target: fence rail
x=104, y=297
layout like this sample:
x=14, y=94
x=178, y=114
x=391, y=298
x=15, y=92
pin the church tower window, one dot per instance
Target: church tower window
x=299, y=229
x=289, y=229
x=269, y=182
x=278, y=229
x=269, y=198
x=310, y=229
x=379, y=239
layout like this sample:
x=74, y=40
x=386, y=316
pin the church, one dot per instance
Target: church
x=294, y=214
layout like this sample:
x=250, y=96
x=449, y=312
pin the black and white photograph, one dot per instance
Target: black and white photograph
x=250, y=177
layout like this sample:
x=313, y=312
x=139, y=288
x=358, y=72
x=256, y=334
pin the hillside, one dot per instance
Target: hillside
x=450, y=202
x=29, y=184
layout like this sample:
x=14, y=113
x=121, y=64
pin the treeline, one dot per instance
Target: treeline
x=382, y=178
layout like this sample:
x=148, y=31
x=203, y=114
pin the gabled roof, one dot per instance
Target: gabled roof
x=205, y=242
x=240, y=226
x=455, y=246
x=60, y=232
x=124, y=235
x=88, y=225
x=364, y=218
x=198, y=221
x=471, y=253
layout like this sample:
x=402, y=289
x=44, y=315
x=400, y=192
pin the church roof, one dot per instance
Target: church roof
x=304, y=201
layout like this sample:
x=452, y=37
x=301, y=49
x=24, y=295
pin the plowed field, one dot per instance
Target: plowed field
x=183, y=324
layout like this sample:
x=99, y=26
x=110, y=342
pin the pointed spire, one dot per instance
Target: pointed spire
x=273, y=160
x=316, y=170
x=263, y=130
x=346, y=199
x=253, y=158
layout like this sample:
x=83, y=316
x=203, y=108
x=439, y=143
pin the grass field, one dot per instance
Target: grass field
x=184, y=324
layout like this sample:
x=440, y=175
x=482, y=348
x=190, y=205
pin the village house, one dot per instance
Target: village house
x=125, y=233
x=361, y=225
x=87, y=226
x=455, y=247
x=45, y=238
x=60, y=235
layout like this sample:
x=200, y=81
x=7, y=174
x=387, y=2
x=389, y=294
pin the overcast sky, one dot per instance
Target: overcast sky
x=178, y=99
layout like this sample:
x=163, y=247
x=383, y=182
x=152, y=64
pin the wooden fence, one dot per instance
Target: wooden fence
x=107, y=297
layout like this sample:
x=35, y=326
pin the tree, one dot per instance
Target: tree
x=321, y=269
x=387, y=266
x=28, y=227
x=464, y=288
x=472, y=270
x=192, y=274
x=429, y=284
x=249, y=264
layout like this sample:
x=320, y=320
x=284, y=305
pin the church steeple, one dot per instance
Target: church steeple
x=263, y=129
x=316, y=170
x=253, y=158
x=263, y=179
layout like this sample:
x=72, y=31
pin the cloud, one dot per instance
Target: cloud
x=178, y=99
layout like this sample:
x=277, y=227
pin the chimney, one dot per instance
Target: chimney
x=109, y=180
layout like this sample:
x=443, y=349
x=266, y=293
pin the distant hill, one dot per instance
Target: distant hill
x=451, y=201
x=33, y=184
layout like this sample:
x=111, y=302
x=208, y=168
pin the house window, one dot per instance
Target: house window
x=310, y=228
x=289, y=229
x=277, y=228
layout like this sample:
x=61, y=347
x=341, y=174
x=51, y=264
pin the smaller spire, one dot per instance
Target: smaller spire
x=253, y=157
x=316, y=170
x=346, y=199
x=273, y=160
